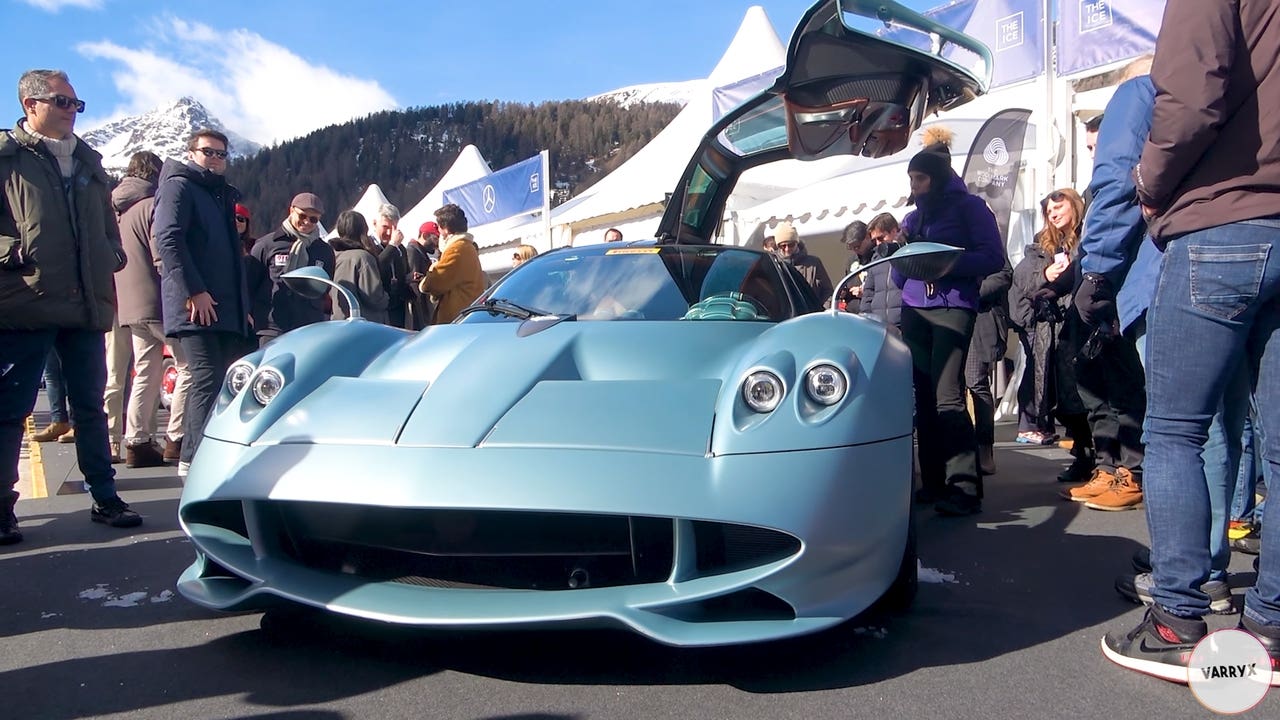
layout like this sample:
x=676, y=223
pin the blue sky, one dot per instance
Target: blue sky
x=275, y=69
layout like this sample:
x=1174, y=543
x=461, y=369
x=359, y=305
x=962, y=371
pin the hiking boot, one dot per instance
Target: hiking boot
x=1080, y=470
x=68, y=436
x=143, y=455
x=172, y=450
x=1270, y=639
x=987, y=459
x=52, y=432
x=9, y=532
x=957, y=503
x=1124, y=494
x=1137, y=588
x=116, y=513
x=1098, y=483
x=1161, y=645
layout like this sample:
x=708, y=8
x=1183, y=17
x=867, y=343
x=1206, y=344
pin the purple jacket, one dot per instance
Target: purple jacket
x=953, y=217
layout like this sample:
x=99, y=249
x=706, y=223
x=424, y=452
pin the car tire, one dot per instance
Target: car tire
x=902, y=593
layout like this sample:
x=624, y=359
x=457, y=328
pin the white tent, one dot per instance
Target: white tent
x=469, y=166
x=367, y=206
x=631, y=197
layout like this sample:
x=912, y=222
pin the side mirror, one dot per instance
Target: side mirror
x=313, y=282
x=926, y=261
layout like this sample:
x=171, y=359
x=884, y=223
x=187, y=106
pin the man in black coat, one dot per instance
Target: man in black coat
x=392, y=261
x=419, y=253
x=295, y=243
x=204, y=296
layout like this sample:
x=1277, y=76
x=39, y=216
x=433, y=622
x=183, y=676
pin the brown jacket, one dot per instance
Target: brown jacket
x=138, y=282
x=58, y=259
x=455, y=280
x=1213, y=156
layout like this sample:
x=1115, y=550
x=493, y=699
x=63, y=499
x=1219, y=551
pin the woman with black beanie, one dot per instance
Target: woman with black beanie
x=937, y=323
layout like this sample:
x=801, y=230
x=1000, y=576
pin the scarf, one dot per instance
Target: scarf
x=60, y=149
x=298, y=255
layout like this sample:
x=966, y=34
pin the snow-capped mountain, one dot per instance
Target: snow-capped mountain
x=677, y=92
x=163, y=131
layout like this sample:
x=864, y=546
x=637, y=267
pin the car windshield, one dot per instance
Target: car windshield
x=669, y=282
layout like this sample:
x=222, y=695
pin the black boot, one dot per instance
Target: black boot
x=1081, y=468
x=9, y=532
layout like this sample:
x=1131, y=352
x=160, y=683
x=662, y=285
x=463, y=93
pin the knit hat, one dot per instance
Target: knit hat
x=243, y=211
x=785, y=234
x=428, y=228
x=307, y=201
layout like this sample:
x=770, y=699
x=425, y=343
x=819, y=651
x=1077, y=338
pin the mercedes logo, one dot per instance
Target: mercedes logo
x=490, y=198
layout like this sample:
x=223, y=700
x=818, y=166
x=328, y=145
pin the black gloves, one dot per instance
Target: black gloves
x=1095, y=301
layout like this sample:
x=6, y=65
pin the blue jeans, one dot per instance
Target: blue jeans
x=1221, y=457
x=84, y=363
x=1242, y=504
x=56, y=388
x=1216, y=301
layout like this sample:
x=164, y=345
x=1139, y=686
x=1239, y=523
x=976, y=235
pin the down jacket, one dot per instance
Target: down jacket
x=56, y=260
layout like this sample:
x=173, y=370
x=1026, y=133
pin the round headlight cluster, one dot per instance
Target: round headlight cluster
x=826, y=384
x=238, y=377
x=762, y=391
x=267, y=385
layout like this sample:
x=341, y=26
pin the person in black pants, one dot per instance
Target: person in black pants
x=986, y=350
x=204, y=293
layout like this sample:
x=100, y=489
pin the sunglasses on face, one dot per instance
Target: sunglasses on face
x=241, y=218
x=62, y=102
x=302, y=216
x=210, y=153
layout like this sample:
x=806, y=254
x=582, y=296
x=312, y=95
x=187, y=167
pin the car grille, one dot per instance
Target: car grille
x=492, y=549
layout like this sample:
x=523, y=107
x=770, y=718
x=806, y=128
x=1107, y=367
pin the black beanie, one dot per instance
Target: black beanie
x=935, y=164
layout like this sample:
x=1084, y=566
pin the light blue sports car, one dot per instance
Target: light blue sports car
x=669, y=436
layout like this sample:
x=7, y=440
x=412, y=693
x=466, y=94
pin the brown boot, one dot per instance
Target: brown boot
x=68, y=436
x=143, y=455
x=1098, y=483
x=172, y=450
x=52, y=432
x=1124, y=494
x=116, y=456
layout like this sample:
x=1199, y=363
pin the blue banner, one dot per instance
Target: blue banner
x=513, y=190
x=1013, y=29
x=1092, y=33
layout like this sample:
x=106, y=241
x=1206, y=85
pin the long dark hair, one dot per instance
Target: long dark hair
x=353, y=232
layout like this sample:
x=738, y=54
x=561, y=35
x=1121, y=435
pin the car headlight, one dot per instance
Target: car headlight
x=826, y=384
x=267, y=385
x=762, y=391
x=238, y=377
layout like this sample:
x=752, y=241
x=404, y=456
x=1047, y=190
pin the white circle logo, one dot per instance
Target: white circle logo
x=490, y=198
x=1229, y=671
x=995, y=152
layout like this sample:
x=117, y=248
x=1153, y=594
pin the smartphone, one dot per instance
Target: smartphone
x=1060, y=258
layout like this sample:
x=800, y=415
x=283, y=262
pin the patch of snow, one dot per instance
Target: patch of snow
x=96, y=592
x=127, y=600
x=931, y=575
x=47, y=615
x=164, y=596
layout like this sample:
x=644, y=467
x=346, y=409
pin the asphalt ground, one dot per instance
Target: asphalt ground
x=1006, y=625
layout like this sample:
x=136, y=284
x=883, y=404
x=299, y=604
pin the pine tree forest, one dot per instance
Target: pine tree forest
x=407, y=152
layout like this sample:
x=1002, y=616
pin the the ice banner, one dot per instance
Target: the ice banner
x=1092, y=33
x=1012, y=29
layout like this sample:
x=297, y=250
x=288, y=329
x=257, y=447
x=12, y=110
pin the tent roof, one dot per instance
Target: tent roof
x=469, y=166
x=367, y=206
x=650, y=174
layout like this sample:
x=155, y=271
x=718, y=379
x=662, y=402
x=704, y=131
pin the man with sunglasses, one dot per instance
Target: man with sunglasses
x=59, y=246
x=294, y=243
x=204, y=296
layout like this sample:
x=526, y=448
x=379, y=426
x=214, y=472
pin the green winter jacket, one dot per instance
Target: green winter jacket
x=55, y=272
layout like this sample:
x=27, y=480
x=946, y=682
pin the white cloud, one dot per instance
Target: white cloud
x=257, y=88
x=56, y=5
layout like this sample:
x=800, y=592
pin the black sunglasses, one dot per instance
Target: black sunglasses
x=304, y=216
x=1055, y=196
x=241, y=218
x=210, y=152
x=62, y=101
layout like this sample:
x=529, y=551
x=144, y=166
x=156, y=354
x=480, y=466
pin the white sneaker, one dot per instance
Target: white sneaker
x=183, y=468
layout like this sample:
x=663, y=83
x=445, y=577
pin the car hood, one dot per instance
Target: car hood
x=588, y=385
